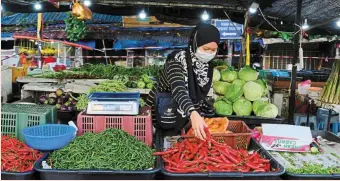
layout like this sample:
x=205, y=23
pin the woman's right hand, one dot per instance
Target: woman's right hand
x=198, y=125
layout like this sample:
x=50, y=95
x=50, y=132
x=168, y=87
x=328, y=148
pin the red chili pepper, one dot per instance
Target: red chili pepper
x=252, y=166
x=164, y=153
x=16, y=156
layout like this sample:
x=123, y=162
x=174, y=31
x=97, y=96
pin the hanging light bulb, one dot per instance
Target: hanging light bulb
x=305, y=25
x=281, y=22
x=142, y=14
x=87, y=3
x=205, y=16
x=253, y=8
x=37, y=6
x=338, y=23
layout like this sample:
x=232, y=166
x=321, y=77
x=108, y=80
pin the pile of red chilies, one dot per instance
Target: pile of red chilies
x=211, y=156
x=16, y=156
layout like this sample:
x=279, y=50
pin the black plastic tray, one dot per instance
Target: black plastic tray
x=253, y=121
x=292, y=176
x=18, y=176
x=57, y=174
x=228, y=175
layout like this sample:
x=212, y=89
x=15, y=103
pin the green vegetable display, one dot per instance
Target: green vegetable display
x=242, y=107
x=239, y=82
x=247, y=74
x=216, y=75
x=252, y=91
x=233, y=93
x=223, y=108
x=228, y=75
x=221, y=87
x=314, y=169
x=102, y=71
x=257, y=104
x=112, y=149
x=267, y=111
x=105, y=86
x=76, y=29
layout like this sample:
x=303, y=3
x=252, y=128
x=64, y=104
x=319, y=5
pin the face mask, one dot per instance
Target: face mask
x=203, y=56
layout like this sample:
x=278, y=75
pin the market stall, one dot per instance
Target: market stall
x=107, y=130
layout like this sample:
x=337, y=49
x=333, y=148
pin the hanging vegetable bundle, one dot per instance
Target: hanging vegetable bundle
x=331, y=91
x=75, y=28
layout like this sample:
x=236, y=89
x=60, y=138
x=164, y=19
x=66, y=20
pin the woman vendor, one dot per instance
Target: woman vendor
x=184, y=83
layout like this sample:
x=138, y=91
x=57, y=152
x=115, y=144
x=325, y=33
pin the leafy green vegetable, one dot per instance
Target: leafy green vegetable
x=268, y=111
x=221, y=87
x=105, y=86
x=216, y=75
x=141, y=84
x=239, y=82
x=247, y=74
x=228, y=75
x=76, y=29
x=102, y=71
x=242, y=107
x=223, y=108
x=314, y=169
x=252, y=91
x=233, y=93
x=257, y=104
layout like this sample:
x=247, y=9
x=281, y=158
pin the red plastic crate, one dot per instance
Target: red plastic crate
x=139, y=126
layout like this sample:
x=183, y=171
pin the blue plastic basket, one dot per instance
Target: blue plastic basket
x=48, y=136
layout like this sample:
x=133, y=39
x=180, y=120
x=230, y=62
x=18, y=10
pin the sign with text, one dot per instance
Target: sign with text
x=228, y=29
x=290, y=138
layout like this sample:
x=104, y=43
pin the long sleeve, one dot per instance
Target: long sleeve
x=176, y=78
x=150, y=98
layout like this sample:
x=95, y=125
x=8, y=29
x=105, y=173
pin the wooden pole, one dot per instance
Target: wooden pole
x=295, y=58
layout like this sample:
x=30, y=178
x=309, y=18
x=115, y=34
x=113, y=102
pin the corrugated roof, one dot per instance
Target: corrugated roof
x=55, y=17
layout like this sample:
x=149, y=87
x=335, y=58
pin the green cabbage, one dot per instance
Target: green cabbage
x=239, y=82
x=220, y=87
x=252, y=91
x=223, y=108
x=233, y=93
x=228, y=75
x=257, y=104
x=242, y=107
x=263, y=85
x=247, y=74
x=216, y=75
x=268, y=111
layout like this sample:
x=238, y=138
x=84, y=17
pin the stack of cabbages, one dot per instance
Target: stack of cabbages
x=241, y=93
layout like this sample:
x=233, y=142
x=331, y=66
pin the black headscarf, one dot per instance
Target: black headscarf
x=200, y=73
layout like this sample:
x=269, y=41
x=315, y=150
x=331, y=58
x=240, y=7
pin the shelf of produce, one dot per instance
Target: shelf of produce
x=228, y=175
x=28, y=79
x=329, y=157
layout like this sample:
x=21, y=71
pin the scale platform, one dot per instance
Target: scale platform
x=113, y=103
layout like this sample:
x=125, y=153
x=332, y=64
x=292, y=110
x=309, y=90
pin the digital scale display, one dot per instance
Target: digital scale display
x=112, y=107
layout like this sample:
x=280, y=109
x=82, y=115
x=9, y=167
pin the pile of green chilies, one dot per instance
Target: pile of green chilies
x=112, y=149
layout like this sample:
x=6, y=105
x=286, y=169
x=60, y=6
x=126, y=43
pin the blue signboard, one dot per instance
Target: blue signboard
x=229, y=30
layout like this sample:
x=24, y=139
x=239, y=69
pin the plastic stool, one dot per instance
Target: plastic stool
x=297, y=117
x=322, y=117
x=335, y=128
x=302, y=121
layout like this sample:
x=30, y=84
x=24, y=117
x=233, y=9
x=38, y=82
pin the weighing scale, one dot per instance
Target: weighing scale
x=113, y=103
